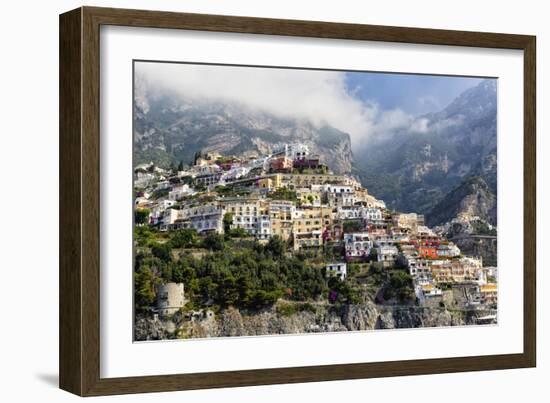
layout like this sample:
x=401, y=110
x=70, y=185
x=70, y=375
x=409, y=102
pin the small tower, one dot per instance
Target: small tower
x=170, y=298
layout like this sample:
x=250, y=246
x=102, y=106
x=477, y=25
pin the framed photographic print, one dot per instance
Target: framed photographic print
x=249, y=201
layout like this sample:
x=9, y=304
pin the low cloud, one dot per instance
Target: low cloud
x=321, y=97
x=420, y=125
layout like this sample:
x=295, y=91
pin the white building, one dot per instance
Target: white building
x=342, y=194
x=357, y=244
x=169, y=218
x=142, y=202
x=448, y=250
x=372, y=201
x=163, y=185
x=492, y=271
x=234, y=174
x=263, y=228
x=420, y=268
x=248, y=215
x=349, y=212
x=372, y=214
x=245, y=214
x=430, y=290
x=206, y=218
x=208, y=179
x=387, y=253
x=258, y=225
x=337, y=189
x=158, y=209
x=207, y=169
x=338, y=270
x=423, y=231
x=143, y=179
x=282, y=209
x=178, y=192
x=294, y=151
x=182, y=174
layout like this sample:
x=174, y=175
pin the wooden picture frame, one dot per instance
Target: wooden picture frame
x=79, y=346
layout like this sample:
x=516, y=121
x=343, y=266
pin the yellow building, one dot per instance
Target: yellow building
x=456, y=270
x=488, y=293
x=309, y=224
x=265, y=183
x=312, y=239
x=441, y=271
x=272, y=182
x=281, y=213
x=308, y=197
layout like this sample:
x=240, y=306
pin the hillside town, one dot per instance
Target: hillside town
x=291, y=195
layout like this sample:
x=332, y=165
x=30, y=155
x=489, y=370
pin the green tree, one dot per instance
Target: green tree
x=144, y=283
x=227, y=291
x=352, y=226
x=199, y=187
x=261, y=298
x=141, y=216
x=283, y=193
x=180, y=166
x=207, y=288
x=143, y=235
x=198, y=154
x=184, y=237
x=373, y=254
x=214, y=242
x=183, y=273
x=244, y=289
x=227, y=222
x=162, y=251
x=400, y=285
x=276, y=245
x=238, y=233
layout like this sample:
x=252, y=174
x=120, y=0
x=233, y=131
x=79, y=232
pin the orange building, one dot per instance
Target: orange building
x=281, y=164
x=427, y=252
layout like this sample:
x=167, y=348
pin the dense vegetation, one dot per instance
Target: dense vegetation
x=223, y=271
x=283, y=194
x=235, y=270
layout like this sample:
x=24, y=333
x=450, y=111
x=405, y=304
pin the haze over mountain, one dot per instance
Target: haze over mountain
x=173, y=129
x=415, y=167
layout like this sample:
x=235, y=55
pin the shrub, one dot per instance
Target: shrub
x=141, y=216
x=214, y=242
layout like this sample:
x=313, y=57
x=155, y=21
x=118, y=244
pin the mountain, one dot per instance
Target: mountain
x=415, y=168
x=412, y=169
x=169, y=128
x=471, y=198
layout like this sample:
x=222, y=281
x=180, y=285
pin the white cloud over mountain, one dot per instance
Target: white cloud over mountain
x=321, y=97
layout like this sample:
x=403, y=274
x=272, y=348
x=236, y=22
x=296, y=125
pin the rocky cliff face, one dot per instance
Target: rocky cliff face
x=170, y=129
x=472, y=198
x=367, y=316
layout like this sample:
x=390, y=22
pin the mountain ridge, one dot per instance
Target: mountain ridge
x=414, y=168
x=169, y=129
x=411, y=169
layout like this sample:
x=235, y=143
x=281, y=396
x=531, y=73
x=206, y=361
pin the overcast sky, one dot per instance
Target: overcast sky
x=358, y=103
